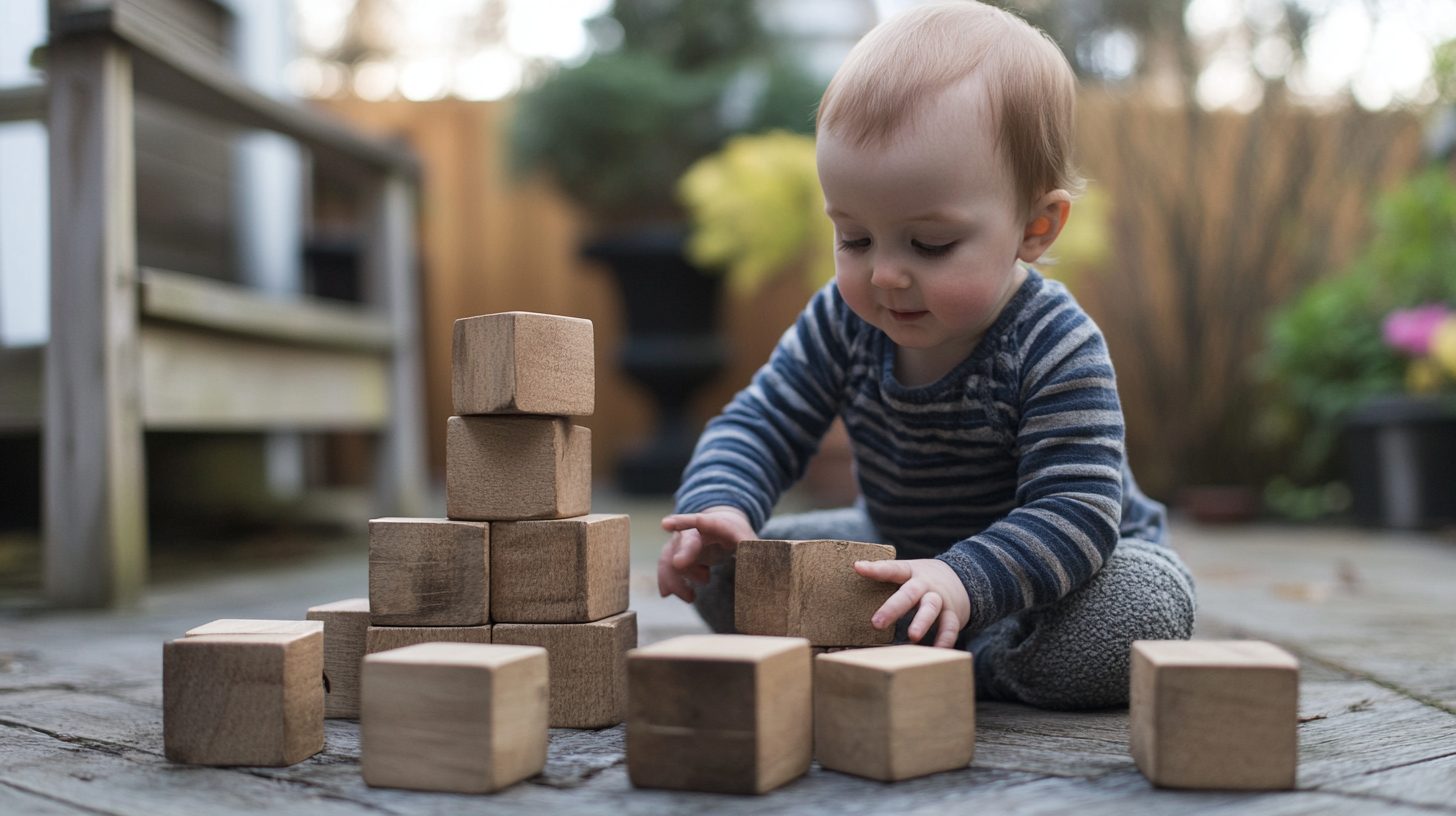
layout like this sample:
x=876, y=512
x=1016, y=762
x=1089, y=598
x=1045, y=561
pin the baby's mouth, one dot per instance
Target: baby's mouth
x=907, y=316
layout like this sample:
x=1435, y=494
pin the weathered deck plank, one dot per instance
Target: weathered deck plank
x=17, y=800
x=1378, y=604
x=1430, y=782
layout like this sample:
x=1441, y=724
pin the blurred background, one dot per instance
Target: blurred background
x=1267, y=239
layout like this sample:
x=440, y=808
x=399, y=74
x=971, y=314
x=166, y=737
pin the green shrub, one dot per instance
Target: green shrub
x=1325, y=354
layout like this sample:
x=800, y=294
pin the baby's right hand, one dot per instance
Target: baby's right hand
x=695, y=536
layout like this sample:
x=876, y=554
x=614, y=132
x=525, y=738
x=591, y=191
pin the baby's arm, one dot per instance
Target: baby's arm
x=1069, y=487
x=761, y=443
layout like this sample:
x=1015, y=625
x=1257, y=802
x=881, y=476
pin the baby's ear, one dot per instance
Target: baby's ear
x=1044, y=224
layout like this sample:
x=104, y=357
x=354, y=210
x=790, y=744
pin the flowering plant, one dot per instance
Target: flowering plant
x=1364, y=333
x=1427, y=335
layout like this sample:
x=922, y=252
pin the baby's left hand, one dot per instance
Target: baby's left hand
x=925, y=581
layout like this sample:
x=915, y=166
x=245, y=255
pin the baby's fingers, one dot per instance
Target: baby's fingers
x=669, y=580
x=950, y=629
x=680, y=521
x=930, y=607
x=904, y=599
x=689, y=544
x=892, y=572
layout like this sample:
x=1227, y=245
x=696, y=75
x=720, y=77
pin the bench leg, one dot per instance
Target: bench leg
x=94, y=474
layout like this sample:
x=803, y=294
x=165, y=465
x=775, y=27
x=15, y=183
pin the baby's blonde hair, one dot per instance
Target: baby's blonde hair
x=913, y=56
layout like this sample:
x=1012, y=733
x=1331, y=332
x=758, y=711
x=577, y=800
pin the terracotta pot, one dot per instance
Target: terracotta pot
x=1220, y=504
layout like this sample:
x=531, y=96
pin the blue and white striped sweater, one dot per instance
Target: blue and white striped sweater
x=1010, y=469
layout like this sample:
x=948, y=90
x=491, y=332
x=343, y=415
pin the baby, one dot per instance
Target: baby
x=979, y=397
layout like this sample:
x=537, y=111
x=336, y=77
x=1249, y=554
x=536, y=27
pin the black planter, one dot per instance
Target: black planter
x=672, y=348
x=1400, y=459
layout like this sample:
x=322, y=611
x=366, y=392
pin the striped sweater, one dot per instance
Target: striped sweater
x=1010, y=468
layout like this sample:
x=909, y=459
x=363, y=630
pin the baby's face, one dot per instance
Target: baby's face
x=928, y=228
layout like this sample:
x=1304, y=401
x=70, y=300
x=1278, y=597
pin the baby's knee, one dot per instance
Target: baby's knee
x=1152, y=590
x=1076, y=654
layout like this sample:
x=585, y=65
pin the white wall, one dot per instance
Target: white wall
x=270, y=166
x=25, y=258
x=270, y=198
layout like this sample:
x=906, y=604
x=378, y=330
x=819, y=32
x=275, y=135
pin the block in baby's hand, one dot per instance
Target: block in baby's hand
x=894, y=712
x=429, y=572
x=508, y=468
x=724, y=713
x=523, y=363
x=588, y=666
x=559, y=571
x=1214, y=714
x=345, y=623
x=249, y=698
x=809, y=589
x=384, y=638
x=455, y=717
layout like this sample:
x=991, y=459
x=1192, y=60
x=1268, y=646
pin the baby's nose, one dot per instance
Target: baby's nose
x=889, y=276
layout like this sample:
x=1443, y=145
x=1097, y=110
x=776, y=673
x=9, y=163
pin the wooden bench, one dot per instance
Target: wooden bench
x=135, y=349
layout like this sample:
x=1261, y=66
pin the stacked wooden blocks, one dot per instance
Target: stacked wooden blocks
x=244, y=692
x=1214, y=714
x=519, y=559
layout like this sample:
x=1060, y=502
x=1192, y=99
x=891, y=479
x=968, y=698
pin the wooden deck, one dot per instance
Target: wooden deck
x=1370, y=616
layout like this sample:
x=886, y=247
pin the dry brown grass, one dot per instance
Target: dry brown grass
x=1215, y=219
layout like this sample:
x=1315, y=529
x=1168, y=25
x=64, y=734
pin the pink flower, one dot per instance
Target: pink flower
x=1410, y=330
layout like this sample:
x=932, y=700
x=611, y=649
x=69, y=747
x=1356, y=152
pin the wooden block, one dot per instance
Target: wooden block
x=815, y=651
x=511, y=468
x=345, y=624
x=243, y=699
x=588, y=666
x=560, y=571
x=726, y=713
x=429, y=572
x=456, y=717
x=384, y=638
x=250, y=626
x=894, y=712
x=809, y=589
x=1214, y=714
x=523, y=363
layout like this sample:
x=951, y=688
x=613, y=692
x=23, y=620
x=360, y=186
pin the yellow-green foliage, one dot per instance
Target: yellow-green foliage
x=757, y=210
x=1084, y=243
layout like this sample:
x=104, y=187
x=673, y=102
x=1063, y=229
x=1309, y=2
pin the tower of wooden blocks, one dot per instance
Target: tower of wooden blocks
x=244, y=692
x=809, y=589
x=1214, y=714
x=519, y=559
x=894, y=712
x=725, y=713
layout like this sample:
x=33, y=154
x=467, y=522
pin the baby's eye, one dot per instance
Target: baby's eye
x=856, y=245
x=932, y=250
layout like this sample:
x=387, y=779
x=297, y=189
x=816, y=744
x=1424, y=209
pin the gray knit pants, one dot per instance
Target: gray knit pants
x=1070, y=654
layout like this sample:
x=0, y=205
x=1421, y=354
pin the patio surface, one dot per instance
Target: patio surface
x=1372, y=617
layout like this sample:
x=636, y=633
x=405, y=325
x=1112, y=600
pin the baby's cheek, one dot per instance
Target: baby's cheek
x=855, y=291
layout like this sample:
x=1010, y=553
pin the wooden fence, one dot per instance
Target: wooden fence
x=1214, y=219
